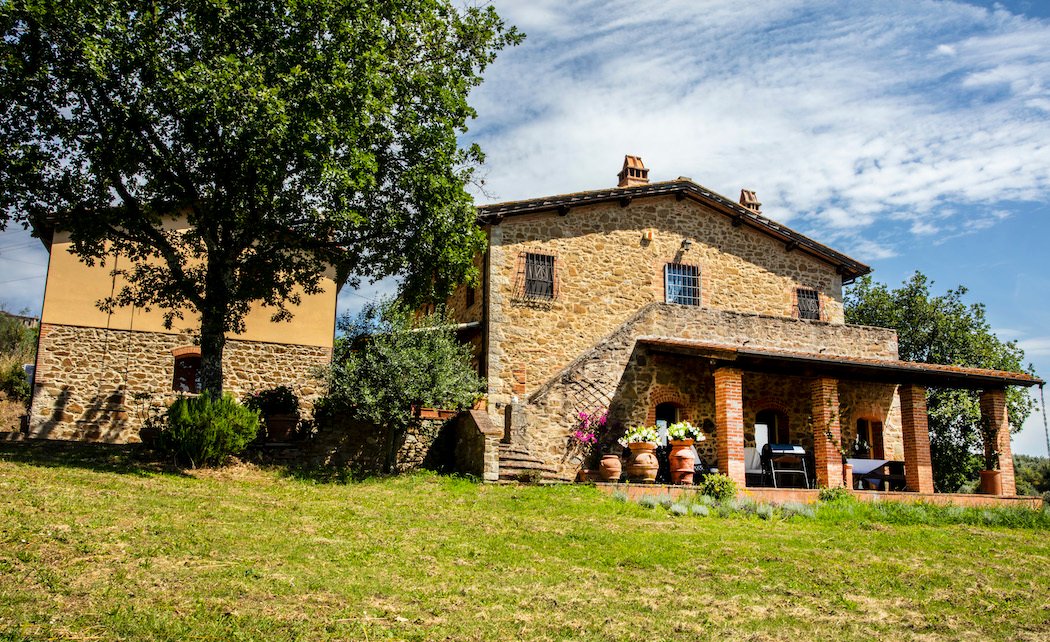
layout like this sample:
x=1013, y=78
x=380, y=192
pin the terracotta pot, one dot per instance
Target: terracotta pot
x=643, y=465
x=281, y=427
x=583, y=476
x=682, y=461
x=991, y=482
x=847, y=475
x=610, y=468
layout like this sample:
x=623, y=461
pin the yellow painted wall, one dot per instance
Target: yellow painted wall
x=73, y=289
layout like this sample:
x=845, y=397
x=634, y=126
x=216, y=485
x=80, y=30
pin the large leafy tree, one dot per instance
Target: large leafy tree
x=290, y=135
x=944, y=329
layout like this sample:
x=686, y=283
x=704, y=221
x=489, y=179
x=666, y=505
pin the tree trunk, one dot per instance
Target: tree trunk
x=213, y=323
x=213, y=341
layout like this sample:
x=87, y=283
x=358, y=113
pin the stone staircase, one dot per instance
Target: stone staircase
x=516, y=463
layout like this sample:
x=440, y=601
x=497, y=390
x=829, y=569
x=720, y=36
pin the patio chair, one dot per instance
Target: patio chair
x=754, y=472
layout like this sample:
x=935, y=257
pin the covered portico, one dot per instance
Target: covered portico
x=818, y=383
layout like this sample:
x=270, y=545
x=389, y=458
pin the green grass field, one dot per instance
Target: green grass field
x=95, y=545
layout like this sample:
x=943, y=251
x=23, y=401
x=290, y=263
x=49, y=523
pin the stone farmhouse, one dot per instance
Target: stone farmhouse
x=654, y=301
x=668, y=301
x=98, y=373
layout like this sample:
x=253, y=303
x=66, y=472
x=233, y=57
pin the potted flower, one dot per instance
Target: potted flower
x=643, y=465
x=682, y=435
x=279, y=408
x=583, y=441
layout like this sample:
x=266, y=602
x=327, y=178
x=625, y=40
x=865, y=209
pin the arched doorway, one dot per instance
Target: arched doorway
x=771, y=427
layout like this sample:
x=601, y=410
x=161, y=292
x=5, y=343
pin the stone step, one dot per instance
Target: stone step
x=11, y=436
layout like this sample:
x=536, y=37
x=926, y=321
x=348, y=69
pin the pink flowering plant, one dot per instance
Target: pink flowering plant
x=589, y=427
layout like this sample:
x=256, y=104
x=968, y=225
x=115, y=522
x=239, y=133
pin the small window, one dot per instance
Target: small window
x=539, y=276
x=187, y=376
x=808, y=304
x=470, y=295
x=682, y=284
x=869, y=440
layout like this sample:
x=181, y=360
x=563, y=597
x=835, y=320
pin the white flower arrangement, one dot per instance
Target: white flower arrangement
x=640, y=434
x=684, y=430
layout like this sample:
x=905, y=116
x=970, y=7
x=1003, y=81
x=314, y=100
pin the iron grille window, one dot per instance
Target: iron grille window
x=808, y=304
x=682, y=284
x=539, y=276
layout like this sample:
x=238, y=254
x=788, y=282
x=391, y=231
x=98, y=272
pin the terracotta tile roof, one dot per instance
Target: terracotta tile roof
x=848, y=267
x=887, y=370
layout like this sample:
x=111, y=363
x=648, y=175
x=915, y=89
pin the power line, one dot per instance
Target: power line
x=8, y=258
x=24, y=278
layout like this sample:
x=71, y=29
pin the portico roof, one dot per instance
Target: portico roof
x=861, y=368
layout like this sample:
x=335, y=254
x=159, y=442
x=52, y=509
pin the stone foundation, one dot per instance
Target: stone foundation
x=445, y=441
x=94, y=384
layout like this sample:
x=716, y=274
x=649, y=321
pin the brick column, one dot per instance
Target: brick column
x=918, y=469
x=824, y=396
x=993, y=410
x=729, y=423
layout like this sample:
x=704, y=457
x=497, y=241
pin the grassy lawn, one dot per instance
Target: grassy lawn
x=96, y=545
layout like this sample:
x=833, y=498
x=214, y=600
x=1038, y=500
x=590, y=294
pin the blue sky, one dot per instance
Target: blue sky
x=912, y=134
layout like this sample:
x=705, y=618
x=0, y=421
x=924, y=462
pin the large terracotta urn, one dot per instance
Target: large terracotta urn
x=610, y=468
x=643, y=465
x=682, y=461
x=991, y=482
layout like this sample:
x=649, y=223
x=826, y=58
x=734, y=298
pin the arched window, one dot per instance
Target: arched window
x=869, y=440
x=187, y=371
x=771, y=427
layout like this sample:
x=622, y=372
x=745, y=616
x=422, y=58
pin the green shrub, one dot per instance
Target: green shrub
x=838, y=493
x=274, y=401
x=797, y=509
x=648, y=501
x=720, y=487
x=678, y=509
x=202, y=430
x=620, y=496
x=700, y=510
x=14, y=383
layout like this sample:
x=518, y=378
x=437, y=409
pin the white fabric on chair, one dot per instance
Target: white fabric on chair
x=752, y=461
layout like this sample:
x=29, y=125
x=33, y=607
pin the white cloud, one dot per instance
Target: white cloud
x=23, y=266
x=1035, y=347
x=840, y=115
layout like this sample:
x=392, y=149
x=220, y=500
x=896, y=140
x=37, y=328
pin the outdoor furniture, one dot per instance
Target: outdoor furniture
x=785, y=461
x=879, y=474
x=754, y=473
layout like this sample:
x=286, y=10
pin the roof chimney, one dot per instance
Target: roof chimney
x=750, y=201
x=633, y=173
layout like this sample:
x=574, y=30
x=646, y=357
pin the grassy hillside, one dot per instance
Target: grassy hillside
x=94, y=545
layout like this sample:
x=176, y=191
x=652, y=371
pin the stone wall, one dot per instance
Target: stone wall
x=447, y=441
x=619, y=375
x=87, y=379
x=607, y=269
